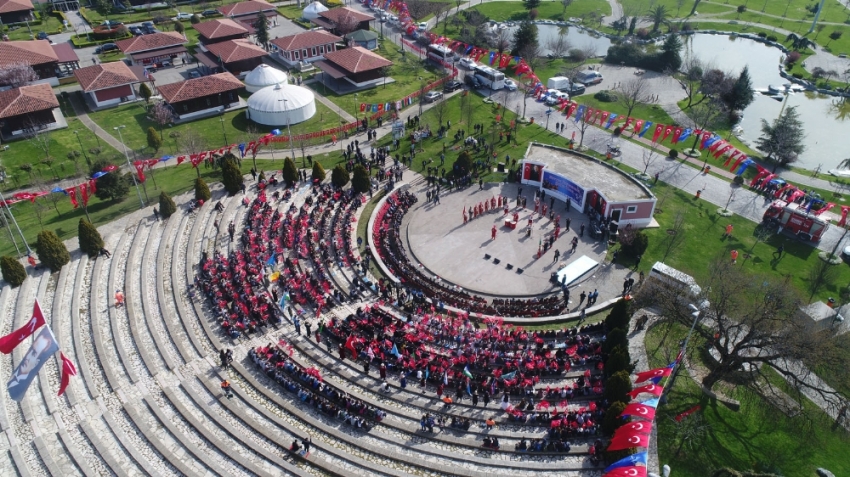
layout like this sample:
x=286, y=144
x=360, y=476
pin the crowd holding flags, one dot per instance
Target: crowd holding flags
x=43, y=347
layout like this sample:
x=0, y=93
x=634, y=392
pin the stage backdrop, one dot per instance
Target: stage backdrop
x=566, y=188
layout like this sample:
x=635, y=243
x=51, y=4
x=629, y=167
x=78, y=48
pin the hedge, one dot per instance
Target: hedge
x=77, y=41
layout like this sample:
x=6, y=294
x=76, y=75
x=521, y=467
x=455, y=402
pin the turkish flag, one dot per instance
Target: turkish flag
x=140, y=170
x=92, y=186
x=667, y=132
x=658, y=130
x=653, y=373
x=604, y=117
x=626, y=124
x=627, y=442
x=653, y=389
x=195, y=159
x=630, y=471
x=636, y=427
x=72, y=193
x=642, y=411
x=13, y=339
x=84, y=193
x=677, y=132
x=68, y=370
x=638, y=125
x=180, y=159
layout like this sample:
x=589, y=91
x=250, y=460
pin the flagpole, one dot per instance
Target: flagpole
x=695, y=312
x=27, y=245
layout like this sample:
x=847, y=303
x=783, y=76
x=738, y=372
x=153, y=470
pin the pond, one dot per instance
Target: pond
x=826, y=118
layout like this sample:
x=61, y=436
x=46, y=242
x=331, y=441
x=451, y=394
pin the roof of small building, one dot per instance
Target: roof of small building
x=236, y=50
x=307, y=39
x=219, y=28
x=9, y=6
x=65, y=52
x=153, y=41
x=280, y=98
x=362, y=35
x=27, y=99
x=336, y=14
x=199, y=87
x=105, y=75
x=357, y=59
x=265, y=75
x=32, y=52
x=245, y=8
x=312, y=10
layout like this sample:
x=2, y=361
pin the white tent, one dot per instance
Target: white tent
x=281, y=105
x=262, y=76
x=312, y=10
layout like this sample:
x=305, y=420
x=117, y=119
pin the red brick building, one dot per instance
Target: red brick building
x=108, y=84
x=201, y=96
x=222, y=29
x=235, y=56
x=154, y=49
x=27, y=108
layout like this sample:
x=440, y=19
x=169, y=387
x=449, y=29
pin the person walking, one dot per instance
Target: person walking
x=382, y=370
x=581, y=231
x=486, y=399
x=297, y=324
x=222, y=355
x=307, y=326
x=728, y=232
x=231, y=230
x=225, y=388
x=475, y=398
x=778, y=253
x=557, y=255
x=156, y=214
x=581, y=298
x=568, y=223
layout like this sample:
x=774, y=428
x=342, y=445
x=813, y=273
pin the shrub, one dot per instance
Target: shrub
x=463, y=164
x=619, y=359
x=195, y=19
x=617, y=386
x=90, y=240
x=792, y=57
x=606, y=96
x=51, y=251
x=231, y=175
x=742, y=8
x=619, y=316
x=178, y=27
x=340, y=176
x=577, y=54
x=14, y=272
x=642, y=33
x=772, y=38
x=533, y=14
x=202, y=190
x=633, y=242
x=154, y=142
x=318, y=172
x=762, y=34
x=290, y=172
x=797, y=75
x=673, y=154
x=618, y=131
x=360, y=181
x=612, y=420
x=738, y=180
x=109, y=186
x=167, y=207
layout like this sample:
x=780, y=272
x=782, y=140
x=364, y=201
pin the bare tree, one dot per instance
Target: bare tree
x=17, y=74
x=161, y=114
x=584, y=123
x=566, y=4
x=690, y=80
x=558, y=46
x=633, y=92
x=703, y=117
x=675, y=235
x=503, y=41
x=648, y=157
x=41, y=139
x=441, y=109
x=193, y=143
x=532, y=53
x=821, y=275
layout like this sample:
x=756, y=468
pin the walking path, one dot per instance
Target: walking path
x=324, y=100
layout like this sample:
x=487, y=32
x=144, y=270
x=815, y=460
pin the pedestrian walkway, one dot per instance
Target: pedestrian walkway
x=82, y=115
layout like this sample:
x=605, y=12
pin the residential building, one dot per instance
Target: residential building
x=343, y=20
x=308, y=47
x=28, y=108
x=38, y=54
x=363, y=38
x=221, y=29
x=156, y=49
x=357, y=66
x=16, y=11
x=109, y=84
x=201, y=96
x=235, y=56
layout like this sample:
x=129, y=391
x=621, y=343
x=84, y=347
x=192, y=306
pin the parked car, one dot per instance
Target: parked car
x=182, y=16
x=510, y=84
x=472, y=81
x=423, y=26
x=589, y=77
x=210, y=13
x=467, y=63
x=576, y=89
x=42, y=36
x=432, y=96
x=148, y=28
x=194, y=74
x=136, y=31
x=106, y=47
x=452, y=85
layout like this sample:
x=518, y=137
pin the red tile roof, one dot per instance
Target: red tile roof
x=105, y=75
x=153, y=41
x=27, y=99
x=357, y=59
x=34, y=52
x=308, y=39
x=335, y=14
x=9, y=6
x=65, y=52
x=199, y=87
x=220, y=28
x=236, y=50
x=245, y=8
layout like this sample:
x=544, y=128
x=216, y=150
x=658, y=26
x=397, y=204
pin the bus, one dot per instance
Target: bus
x=491, y=78
x=440, y=54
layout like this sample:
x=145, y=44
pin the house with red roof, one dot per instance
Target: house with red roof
x=109, y=84
x=29, y=108
x=354, y=68
x=221, y=29
x=202, y=96
x=16, y=11
x=235, y=56
x=157, y=49
x=38, y=54
x=308, y=46
x=246, y=12
x=343, y=20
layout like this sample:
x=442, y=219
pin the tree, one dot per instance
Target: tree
x=632, y=26
x=782, y=139
x=340, y=176
x=161, y=114
x=703, y=117
x=834, y=36
x=616, y=387
x=360, y=182
x=670, y=57
x=167, y=207
x=525, y=35
x=178, y=27
x=290, y=172
x=584, y=123
x=750, y=325
x=822, y=274
x=261, y=25
x=112, y=185
x=145, y=92
x=51, y=251
x=633, y=241
x=612, y=420
x=558, y=45
x=154, y=140
x=658, y=15
x=694, y=9
x=202, y=190
x=40, y=138
x=618, y=360
x=619, y=316
x=349, y=23
x=566, y=4
x=17, y=74
x=48, y=161
x=14, y=272
x=675, y=235
x=633, y=92
x=231, y=175
x=90, y=240
x=463, y=164
x=741, y=94
x=530, y=4
x=318, y=172
x=690, y=80
x=195, y=19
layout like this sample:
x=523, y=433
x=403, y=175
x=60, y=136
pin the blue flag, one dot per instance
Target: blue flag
x=611, y=119
x=646, y=127
x=282, y=302
x=744, y=166
x=395, y=351
x=653, y=403
x=579, y=113
x=628, y=461
x=445, y=379
x=685, y=134
x=509, y=375
x=43, y=347
x=276, y=132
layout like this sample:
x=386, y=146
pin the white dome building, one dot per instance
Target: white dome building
x=312, y=10
x=281, y=105
x=262, y=76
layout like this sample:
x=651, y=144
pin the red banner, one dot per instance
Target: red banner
x=658, y=130
x=84, y=193
x=688, y=413
x=72, y=194
x=68, y=370
x=13, y=339
x=627, y=442
x=140, y=170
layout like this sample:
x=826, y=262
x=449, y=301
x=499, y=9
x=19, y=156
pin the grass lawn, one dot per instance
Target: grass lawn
x=18, y=32
x=236, y=126
x=758, y=436
x=362, y=232
x=504, y=11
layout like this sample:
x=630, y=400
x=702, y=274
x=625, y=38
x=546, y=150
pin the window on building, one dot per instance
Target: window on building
x=631, y=209
x=314, y=51
x=295, y=55
x=322, y=49
x=209, y=103
x=304, y=53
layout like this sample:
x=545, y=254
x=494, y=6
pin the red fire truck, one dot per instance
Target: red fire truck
x=795, y=218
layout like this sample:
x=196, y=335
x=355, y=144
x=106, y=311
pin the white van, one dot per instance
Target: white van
x=558, y=82
x=589, y=77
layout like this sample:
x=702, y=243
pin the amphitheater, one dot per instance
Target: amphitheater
x=147, y=401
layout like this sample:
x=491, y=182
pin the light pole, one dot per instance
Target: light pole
x=9, y=209
x=356, y=113
x=288, y=128
x=121, y=137
x=82, y=149
x=421, y=90
x=223, y=132
x=695, y=312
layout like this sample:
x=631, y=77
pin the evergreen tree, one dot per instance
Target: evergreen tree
x=90, y=240
x=619, y=316
x=14, y=272
x=463, y=164
x=195, y=19
x=202, y=190
x=318, y=172
x=782, y=140
x=526, y=34
x=618, y=359
x=530, y=4
x=154, y=142
x=112, y=185
x=231, y=174
x=339, y=176
x=360, y=181
x=616, y=387
x=614, y=338
x=178, y=27
x=145, y=92
x=261, y=25
x=632, y=25
x=741, y=95
x=670, y=58
x=290, y=172
x=612, y=420
x=167, y=207
x=51, y=251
